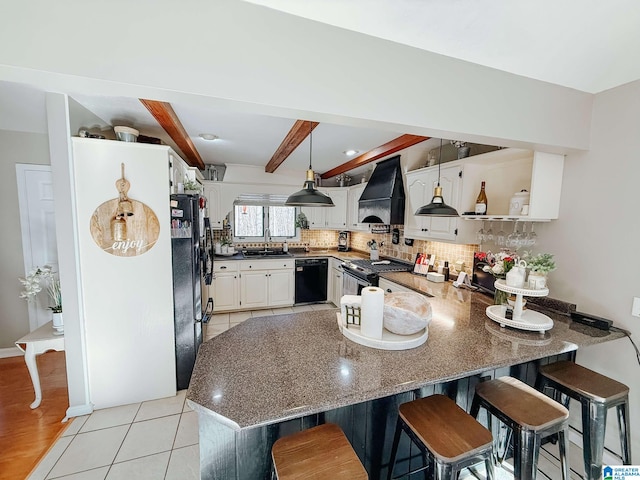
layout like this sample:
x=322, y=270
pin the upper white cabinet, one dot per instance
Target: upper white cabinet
x=213, y=192
x=505, y=172
x=509, y=171
x=352, y=209
x=329, y=217
x=419, y=186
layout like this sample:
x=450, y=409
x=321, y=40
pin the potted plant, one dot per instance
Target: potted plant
x=33, y=285
x=191, y=186
x=539, y=267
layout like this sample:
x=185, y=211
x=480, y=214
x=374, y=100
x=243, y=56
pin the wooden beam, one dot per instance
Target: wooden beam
x=167, y=118
x=395, y=145
x=295, y=137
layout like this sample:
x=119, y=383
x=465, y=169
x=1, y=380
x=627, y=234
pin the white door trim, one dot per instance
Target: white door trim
x=21, y=169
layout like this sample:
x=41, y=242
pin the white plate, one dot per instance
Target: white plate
x=390, y=341
x=530, y=320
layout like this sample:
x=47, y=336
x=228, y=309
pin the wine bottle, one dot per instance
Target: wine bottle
x=481, y=202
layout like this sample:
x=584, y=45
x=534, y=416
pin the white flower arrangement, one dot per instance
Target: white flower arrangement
x=458, y=143
x=33, y=285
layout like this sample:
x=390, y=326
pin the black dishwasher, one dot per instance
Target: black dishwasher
x=311, y=280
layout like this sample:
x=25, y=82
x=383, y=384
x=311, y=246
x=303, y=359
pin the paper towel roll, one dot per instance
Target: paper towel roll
x=372, y=312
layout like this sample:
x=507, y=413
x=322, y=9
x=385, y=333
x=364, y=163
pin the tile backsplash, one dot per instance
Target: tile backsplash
x=328, y=239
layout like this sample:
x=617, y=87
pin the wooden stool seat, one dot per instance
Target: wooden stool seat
x=445, y=432
x=584, y=382
x=317, y=453
x=597, y=394
x=530, y=415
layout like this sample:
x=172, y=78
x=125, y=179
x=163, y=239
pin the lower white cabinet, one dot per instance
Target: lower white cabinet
x=266, y=283
x=226, y=286
x=335, y=286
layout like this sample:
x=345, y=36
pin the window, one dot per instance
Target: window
x=251, y=222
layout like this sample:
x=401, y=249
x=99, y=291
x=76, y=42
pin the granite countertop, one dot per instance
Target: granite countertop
x=270, y=369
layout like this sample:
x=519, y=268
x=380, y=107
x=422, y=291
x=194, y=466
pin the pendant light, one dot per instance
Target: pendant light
x=309, y=196
x=437, y=207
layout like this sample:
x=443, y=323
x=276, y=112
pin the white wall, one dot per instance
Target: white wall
x=15, y=147
x=596, y=239
x=227, y=52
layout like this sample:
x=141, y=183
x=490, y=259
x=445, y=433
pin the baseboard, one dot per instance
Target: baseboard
x=78, y=410
x=10, y=352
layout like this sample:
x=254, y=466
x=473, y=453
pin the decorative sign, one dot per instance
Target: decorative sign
x=124, y=227
x=424, y=263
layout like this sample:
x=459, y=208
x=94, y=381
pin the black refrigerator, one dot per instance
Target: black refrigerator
x=187, y=297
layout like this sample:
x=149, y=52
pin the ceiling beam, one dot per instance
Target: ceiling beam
x=295, y=137
x=167, y=118
x=395, y=145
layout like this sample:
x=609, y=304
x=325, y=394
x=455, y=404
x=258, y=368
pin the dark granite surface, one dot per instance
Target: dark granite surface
x=270, y=369
x=300, y=253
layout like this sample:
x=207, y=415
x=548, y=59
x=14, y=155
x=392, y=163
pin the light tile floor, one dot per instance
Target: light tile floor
x=143, y=441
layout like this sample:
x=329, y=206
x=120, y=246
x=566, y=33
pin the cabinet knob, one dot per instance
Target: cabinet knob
x=389, y=290
x=223, y=267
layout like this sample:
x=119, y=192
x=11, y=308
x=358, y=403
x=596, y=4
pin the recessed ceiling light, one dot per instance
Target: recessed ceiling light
x=350, y=153
x=208, y=136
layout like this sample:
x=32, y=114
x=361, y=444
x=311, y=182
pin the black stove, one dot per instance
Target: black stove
x=368, y=270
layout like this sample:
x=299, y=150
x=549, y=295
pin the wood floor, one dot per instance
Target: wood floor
x=25, y=434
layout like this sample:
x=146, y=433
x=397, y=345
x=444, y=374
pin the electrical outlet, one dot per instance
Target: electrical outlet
x=635, y=309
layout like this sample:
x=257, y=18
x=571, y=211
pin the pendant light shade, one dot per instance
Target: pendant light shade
x=437, y=207
x=309, y=196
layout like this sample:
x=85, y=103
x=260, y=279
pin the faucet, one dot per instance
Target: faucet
x=267, y=238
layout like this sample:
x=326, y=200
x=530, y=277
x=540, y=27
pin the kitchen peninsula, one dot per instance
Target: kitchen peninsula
x=271, y=376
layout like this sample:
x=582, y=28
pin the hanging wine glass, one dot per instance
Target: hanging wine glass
x=523, y=238
x=501, y=236
x=489, y=235
x=533, y=237
x=480, y=233
x=512, y=238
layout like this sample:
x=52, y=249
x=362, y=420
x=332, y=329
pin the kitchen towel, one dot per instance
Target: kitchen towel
x=372, y=312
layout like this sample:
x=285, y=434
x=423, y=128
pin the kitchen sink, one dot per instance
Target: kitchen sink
x=264, y=253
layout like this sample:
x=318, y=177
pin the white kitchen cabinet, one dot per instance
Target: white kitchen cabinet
x=334, y=218
x=266, y=283
x=352, y=209
x=334, y=281
x=419, y=187
x=254, y=289
x=226, y=286
x=213, y=192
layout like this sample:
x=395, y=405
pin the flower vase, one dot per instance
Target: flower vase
x=500, y=297
x=58, y=323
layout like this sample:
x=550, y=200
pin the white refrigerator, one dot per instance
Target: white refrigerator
x=126, y=299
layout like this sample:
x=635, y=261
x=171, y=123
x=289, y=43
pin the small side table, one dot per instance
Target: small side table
x=35, y=343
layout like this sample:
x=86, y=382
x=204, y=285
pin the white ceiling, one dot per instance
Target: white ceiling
x=589, y=45
x=583, y=44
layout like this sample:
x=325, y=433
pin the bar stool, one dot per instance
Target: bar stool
x=531, y=417
x=317, y=453
x=597, y=394
x=445, y=433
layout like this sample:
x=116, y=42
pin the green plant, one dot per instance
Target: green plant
x=541, y=263
x=191, y=185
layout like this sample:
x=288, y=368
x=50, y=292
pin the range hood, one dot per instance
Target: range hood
x=382, y=200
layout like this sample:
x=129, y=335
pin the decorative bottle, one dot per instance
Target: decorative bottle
x=481, y=202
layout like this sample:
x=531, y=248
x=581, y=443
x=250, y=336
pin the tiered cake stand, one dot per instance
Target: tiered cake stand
x=521, y=319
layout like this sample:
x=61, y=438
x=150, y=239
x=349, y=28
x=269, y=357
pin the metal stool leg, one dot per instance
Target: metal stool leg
x=563, y=446
x=444, y=471
x=526, y=448
x=489, y=466
x=625, y=431
x=594, y=419
x=394, y=449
